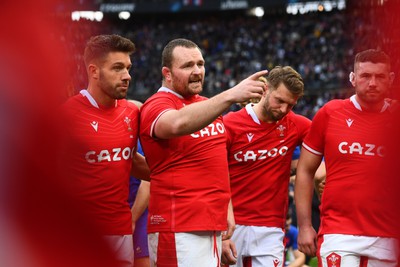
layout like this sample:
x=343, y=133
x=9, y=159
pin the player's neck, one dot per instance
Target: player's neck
x=371, y=107
x=101, y=99
x=261, y=115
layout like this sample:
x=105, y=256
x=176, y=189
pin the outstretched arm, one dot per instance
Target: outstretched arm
x=175, y=123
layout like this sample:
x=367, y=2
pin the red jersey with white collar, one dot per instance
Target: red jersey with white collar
x=99, y=149
x=259, y=156
x=189, y=174
x=357, y=198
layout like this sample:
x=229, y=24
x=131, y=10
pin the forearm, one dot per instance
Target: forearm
x=303, y=199
x=304, y=186
x=196, y=116
x=141, y=200
x=192, y=118
x=140, y=169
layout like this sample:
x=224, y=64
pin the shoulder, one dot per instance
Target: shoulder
x=128, y=105
x=336, y=104
x=297, y=118
x=73, y=105
x=233, y=116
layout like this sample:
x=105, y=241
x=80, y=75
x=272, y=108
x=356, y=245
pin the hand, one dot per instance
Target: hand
x=250, y=88
x=229, y=253
x=307, y=241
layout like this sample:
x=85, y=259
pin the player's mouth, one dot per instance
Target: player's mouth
x=195, y=82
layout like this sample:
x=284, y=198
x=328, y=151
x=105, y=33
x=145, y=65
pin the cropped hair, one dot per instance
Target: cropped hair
x=98, y=47
x=289, y=77
x=166, y=60
x=372, y=55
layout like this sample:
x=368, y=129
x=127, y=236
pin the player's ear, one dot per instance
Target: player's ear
x=93, y=71
x=166, y=72
x=391, y=77
x=352, y=78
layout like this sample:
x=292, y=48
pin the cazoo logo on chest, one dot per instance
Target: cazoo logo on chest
x=116, y=154
x=210, y=130
x=360, y=149
x=261, y=154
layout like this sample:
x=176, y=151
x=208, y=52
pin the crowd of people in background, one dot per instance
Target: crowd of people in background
x=236, y=45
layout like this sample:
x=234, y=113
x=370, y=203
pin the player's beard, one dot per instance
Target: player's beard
x=193, y=86
x=114, y=91
x=269, y=112
x=372, y=96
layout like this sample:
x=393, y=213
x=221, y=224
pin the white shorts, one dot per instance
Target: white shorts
x=192, y=249
x=259, y=246
x=122, y=247
x=353, y=251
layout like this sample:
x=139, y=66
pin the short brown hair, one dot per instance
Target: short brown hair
x=372, y=55
x=99, y=46
x=289, y=77
x=166, y=59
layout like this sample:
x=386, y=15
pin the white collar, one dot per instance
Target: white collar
x=167, y=90
x=358, y=106
x=85, y=92
x=250, y=111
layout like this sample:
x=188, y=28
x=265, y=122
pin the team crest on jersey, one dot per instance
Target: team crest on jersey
x=276, y=262
x=128, y=121
x=333, y=260
x=281, y=130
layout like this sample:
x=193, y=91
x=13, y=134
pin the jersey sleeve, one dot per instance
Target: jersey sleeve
x=303, y=125
x=228, y=128
x=314, y=140
x=153, y=109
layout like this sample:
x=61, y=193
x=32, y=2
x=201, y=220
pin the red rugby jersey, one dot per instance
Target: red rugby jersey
x=99, y=149
x=357, y=198
x=259, y=156
x=189, y=174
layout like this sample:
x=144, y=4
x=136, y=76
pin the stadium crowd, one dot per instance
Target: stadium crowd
x=236, y=45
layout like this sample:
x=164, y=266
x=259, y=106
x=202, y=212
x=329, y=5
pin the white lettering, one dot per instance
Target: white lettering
x=103, y=155
x=360, y=149
x=356, y=147
x=341, y=147
x=116, y=154
x=237, y=156
x=106, y=155
x=210, y=130
x=250, y=155
x=234, y=5
x=87, y=157
x=261, y=154
x=369, y=147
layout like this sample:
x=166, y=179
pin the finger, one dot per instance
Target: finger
x=233, y=249
x=258, y=74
